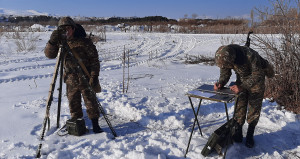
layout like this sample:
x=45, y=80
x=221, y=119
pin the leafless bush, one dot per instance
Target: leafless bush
x=1, y=32
x=161, y=28
x=283, y=52
x=95, y=38
x=97, y=33
x=226, y=40
x=193, y=59
x=24, y=41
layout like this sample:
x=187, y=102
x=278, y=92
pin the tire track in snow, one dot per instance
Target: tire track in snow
x=151, y=49
x=28, y=67
x=35, y=59
x=179, y=46
x=143, y=52
x=115, y=53
x=184, y=46
x=25, y=77
x=29, y=64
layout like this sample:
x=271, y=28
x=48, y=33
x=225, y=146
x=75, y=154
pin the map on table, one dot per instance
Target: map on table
x=207, y=92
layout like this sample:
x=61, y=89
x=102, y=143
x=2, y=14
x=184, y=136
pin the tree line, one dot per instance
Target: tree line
x=186, y=25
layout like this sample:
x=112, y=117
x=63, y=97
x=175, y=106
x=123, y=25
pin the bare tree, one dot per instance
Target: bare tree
x=185, y=16
x=283, y=52
x=194, y=16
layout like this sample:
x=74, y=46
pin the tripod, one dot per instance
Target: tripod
x=64, y=50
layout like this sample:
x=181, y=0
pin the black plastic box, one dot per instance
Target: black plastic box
x=76, y=127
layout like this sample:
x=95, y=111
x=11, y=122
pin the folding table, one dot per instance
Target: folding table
x=207, y=92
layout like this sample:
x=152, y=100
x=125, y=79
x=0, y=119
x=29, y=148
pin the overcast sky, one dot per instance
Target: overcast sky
x=124, y=8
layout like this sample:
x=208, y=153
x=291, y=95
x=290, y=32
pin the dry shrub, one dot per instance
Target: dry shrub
x=283, y=52
x=97, y=33
x=193, y=59
x=162, y=28
x=1, y=32
x=24, y=41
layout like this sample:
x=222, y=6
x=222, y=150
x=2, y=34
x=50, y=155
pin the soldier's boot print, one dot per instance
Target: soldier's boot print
x=96, y=127
x=238, y=133
x=249, y=137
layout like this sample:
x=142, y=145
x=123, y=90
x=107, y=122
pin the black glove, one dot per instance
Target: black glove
x=54, y=38
x=93, y=81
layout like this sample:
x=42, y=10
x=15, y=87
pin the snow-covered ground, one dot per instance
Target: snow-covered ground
x=152, y=120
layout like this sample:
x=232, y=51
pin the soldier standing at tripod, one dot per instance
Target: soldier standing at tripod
x=251, y=70
x=87, y=54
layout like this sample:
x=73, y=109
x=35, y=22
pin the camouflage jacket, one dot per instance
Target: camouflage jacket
x=248, y=66
x=86, y=51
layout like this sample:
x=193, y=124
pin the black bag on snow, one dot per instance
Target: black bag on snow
x=219, y=139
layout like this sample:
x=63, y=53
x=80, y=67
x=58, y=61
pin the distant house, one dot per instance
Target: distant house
x=123, y=27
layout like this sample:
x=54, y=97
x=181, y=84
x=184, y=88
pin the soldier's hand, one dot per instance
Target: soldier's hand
x=54, y=38
x=93, y=81
x=217, y=86
x=236, y=89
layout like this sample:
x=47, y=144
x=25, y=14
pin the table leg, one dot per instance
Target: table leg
x=196, y=114
x=226, y=111
x=196, y=119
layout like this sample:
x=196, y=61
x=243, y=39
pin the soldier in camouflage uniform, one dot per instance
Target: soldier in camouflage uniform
x=86, y=50
x=250, y=69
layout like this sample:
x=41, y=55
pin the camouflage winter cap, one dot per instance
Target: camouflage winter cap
x=225, y=57
x=66, y=21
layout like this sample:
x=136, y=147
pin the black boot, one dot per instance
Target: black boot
x=238, y=133
x=96, y=127
x=249, y=137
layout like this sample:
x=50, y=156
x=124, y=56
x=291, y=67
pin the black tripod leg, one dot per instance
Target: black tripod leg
x=106, y=119
x=49, y=101
x=38, y=153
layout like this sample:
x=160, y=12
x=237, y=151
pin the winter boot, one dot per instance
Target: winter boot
x=249, y=137
x=238, y=133
x=96, y=127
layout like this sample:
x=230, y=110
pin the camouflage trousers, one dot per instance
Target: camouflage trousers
x=75, y=89
x=251, y=101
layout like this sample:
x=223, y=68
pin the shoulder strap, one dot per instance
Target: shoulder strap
x=81, y=64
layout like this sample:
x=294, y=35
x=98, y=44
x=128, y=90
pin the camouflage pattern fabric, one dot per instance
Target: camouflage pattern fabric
x=66, y=21
x=88, y=54
x=76, y=88
x=225, y=57
x=254, y=103
x=249, y=67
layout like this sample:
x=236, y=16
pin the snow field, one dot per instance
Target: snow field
x=152, y=120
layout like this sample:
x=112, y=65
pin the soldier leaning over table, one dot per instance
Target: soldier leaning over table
x=250, y=69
